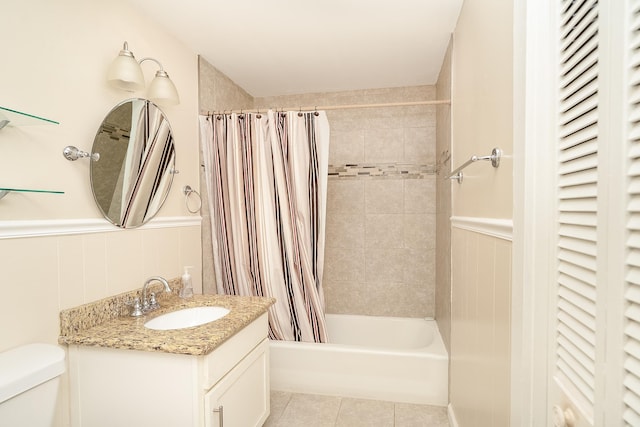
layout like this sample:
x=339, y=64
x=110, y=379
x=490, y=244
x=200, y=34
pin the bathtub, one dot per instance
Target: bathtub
x=384, y=358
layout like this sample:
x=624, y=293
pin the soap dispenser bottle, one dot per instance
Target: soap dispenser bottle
x=187, y=285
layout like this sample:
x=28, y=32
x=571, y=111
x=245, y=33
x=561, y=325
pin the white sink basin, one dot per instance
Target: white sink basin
x=186, y=318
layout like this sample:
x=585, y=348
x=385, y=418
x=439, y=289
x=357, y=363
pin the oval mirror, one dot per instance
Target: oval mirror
x=131, y=179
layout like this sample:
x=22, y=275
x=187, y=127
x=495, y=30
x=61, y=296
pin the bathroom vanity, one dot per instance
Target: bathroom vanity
x=122, y=373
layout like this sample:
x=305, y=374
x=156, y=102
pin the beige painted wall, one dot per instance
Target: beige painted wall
x=483, y=107
x=482, y=118
x=54, y=64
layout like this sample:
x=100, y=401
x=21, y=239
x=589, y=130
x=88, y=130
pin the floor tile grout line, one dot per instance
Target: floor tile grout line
x=394, y=414
x=277, y=421
x=335, y=421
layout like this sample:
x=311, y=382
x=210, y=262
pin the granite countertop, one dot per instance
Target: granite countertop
x=106, y=323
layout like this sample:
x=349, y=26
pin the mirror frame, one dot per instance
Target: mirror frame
x=153, y=145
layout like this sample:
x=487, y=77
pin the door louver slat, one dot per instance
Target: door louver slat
x=631, y=381
x=577, y=202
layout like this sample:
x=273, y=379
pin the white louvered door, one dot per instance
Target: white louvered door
x=575, y=327
x=594, y=369
x=631, y=307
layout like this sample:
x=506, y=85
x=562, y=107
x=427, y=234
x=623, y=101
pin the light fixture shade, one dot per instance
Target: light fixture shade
x=125, y=72
x=162, y=91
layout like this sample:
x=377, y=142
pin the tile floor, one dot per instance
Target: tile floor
x=306, y=410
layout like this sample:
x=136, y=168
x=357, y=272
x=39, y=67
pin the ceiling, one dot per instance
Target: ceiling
x=281, y=47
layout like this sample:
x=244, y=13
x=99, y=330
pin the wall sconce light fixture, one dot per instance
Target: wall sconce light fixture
x=125, y=73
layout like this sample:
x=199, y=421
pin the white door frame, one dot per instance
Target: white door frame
x=534, y=212
x=534, y=132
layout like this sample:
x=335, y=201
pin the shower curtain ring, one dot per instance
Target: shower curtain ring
x=300, y=112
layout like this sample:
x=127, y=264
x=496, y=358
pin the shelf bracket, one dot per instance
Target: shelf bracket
x=72, y=153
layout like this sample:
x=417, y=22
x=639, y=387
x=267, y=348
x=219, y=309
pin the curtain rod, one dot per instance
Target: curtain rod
x=332, y=107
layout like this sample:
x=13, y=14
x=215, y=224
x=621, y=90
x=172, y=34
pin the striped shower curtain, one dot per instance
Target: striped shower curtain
x=266, y=178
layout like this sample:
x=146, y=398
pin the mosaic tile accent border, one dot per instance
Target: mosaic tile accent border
x=382, y=171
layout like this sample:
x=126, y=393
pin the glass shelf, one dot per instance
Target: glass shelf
x=5, y=191
x=18, y=118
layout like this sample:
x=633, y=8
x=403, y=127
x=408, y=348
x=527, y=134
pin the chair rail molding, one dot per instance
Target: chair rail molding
x=61, y=227
x=500, y=228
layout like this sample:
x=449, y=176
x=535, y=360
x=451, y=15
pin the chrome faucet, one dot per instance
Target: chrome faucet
x=149, y=304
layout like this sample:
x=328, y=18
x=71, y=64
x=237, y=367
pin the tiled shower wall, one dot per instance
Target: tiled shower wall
x=215, y=92
x=380, y=246
x=443, y=202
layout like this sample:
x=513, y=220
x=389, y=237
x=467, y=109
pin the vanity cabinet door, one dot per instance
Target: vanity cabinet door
x=241, y=397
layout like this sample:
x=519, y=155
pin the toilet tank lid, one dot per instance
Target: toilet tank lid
x=25, y=367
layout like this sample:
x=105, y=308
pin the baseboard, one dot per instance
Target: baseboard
x=452, y=416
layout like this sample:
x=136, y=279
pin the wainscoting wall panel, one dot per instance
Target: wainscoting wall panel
x=480, y=318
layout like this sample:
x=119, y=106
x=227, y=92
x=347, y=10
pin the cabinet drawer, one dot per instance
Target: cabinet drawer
x=225, y=357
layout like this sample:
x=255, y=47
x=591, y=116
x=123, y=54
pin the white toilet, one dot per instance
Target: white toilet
x=29, y=377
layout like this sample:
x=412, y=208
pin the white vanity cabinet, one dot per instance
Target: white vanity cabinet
x=229, y=386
